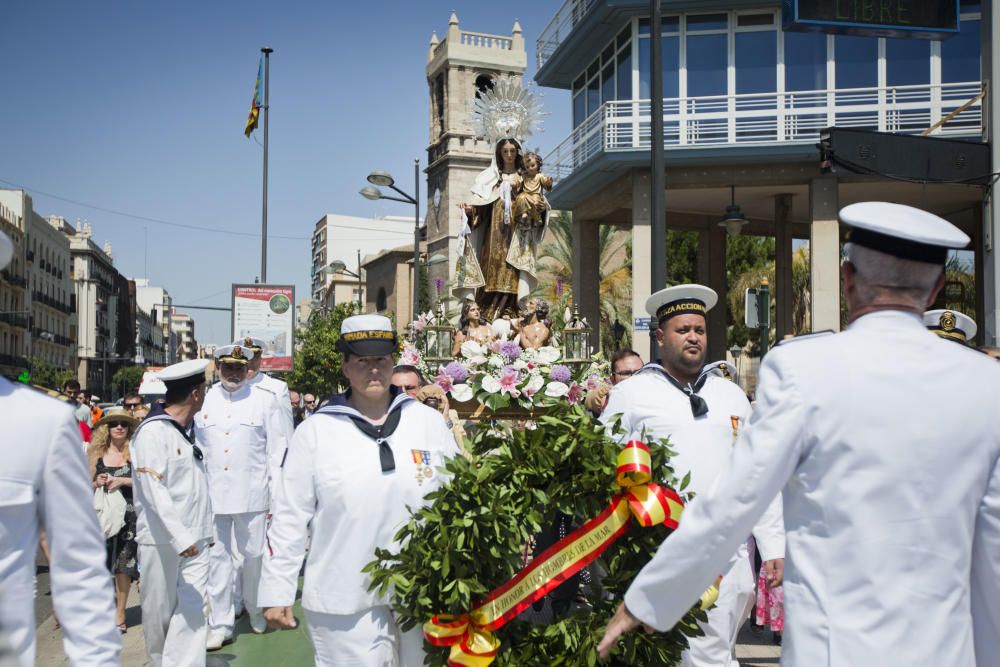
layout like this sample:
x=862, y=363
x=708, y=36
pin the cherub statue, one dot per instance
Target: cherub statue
x=530, y=206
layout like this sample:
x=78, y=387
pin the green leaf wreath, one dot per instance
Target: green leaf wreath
x=471, y=539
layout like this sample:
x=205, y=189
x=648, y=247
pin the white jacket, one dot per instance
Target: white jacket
x=333, y=480
x=885, y=440
x=279, y=388
x=44, y=483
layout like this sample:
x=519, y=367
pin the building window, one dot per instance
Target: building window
x=960, y=54
x=484, y=82
x=439, y=102
x=756, y=53
x=670, y=56
x=707, y=54
x=805, y=61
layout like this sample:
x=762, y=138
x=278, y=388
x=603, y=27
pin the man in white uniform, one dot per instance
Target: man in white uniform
x=174, y=521
x=240, y=432
x=951, y=325
x=44, y=484
x=258, y=378
x=352, y=471
x=701, y=413
x=891, y=481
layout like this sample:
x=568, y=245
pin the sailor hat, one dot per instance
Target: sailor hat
x=902, y=231
x=151, y=385
x=6, y=250
x=252, y=343
x=233, y=354
x=184, y=374
x=951, y=324
x=367, y=336
x=681, y=300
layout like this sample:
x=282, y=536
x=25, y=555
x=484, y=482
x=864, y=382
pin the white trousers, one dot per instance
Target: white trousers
x=173, y=597
x=238, y=550
x=367, y=639
x=715, y=648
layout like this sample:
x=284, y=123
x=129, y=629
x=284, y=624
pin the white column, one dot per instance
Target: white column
x=990, y=318
x=642, y=273
x=587, y=275
x=824, y=252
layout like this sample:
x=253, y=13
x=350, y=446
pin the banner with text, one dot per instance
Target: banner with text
x=267, y=312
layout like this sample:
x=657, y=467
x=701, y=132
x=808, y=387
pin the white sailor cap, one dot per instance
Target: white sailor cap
x=256, y=345
x=902, y=231
x=681, y=300
x=151, y=385
x=183, y=374
x=6, y=250
x=951, y=324
x=367, y=336
x=233, y=354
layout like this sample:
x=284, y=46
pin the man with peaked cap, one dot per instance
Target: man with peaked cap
x=258, y=378
x=352, y=472
x=701, y=413
x=891, y=486
x=241, y=435
x=174, y=523
x=44, y=485
x=951, y=325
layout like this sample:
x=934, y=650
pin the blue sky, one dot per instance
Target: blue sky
x=139, y=107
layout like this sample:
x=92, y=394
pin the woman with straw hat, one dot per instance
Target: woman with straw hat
x=111, y=468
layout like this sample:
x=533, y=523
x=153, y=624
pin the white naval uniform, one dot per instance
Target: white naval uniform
x=649, y=403
x=280, y=390
x=332, y=478
x=173, y=512
x=44, y=484
x=885, y=441
x=242, y=436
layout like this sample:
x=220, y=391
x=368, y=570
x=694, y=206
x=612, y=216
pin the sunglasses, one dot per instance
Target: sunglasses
x=132, y=406
x=118, y=424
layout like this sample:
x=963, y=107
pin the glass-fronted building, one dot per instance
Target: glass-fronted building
x=744, y=105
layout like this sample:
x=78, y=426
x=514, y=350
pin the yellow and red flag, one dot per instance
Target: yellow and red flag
x=256, y=103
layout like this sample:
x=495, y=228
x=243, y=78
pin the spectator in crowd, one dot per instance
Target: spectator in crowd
x=624, y=363
x=309, y=405
x=111, y=468
x=433, y=396
x=96, y=412
x=407, y=378
x=133, y=402
x=295, y=399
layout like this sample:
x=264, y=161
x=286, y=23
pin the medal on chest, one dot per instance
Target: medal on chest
x=735, y=421
x=422, y=460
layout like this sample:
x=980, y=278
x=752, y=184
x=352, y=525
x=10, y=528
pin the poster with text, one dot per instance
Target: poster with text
x=267, y=312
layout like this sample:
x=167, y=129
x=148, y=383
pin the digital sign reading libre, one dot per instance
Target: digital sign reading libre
x=922, y=19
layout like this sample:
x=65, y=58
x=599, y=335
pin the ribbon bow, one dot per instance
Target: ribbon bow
x=471, y=637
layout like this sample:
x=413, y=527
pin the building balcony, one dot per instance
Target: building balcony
x=13, y=279
x=559, y=28
x=766, y=120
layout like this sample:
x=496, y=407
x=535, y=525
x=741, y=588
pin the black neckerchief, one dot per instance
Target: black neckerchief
x=380, y=433
x=699, y=407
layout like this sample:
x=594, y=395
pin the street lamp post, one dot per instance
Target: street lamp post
x=337, y=266
x=384, y=179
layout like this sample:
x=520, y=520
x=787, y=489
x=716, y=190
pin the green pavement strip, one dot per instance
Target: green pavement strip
x=275, y=647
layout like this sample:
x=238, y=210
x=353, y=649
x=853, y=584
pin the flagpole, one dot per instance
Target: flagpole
x=263, y=216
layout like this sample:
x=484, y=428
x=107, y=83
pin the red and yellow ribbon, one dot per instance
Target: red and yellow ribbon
x=471, y=637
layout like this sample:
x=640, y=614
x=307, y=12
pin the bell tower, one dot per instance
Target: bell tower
x=458, y=67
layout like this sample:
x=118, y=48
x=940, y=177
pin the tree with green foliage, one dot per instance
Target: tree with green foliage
x=470, y=539
x=45, y=374
x=317, y=361
x=127, y=379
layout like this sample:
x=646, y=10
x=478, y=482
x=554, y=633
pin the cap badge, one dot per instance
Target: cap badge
x=948, y=321
x=237, y=352
x=248, y=341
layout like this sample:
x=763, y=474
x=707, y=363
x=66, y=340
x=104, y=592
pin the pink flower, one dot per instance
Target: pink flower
x=592, y=382
x=508, y=382
x=495, y=346
x=575, y=394
x=444, y=381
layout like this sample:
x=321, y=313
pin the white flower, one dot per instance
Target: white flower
x=492, y=385
x=471, y=348
x=475, y=361
x=535, y=383
x=555, y=389
x=548, y=354
x=520, y=364
x=497, y=361
x=461, y=392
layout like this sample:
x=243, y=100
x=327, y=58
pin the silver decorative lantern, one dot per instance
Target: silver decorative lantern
x=438, y=338
x=576, y=339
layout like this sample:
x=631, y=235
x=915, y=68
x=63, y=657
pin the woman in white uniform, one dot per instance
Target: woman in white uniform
x=352, y=472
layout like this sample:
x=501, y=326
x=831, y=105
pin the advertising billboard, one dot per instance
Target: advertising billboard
x=267, y=312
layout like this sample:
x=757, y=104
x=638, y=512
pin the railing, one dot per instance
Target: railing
x=767, y=119
x=559, y=27
x=482, y=40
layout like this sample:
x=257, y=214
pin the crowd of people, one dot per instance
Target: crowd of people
x=881, y=489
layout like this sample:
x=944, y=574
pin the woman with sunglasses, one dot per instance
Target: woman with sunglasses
x=111, y=468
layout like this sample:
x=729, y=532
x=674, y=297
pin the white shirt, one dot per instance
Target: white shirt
x=332, y=478
x=279, y=388
x=170, y=487
x=242, y=436
x=649, y=403
x=44, y=482
x=885, y=440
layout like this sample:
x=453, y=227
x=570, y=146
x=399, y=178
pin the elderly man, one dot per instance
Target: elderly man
x=241, y=434
x=352, y=474
x=701, y=413
x=44, y=484
x=891, y=485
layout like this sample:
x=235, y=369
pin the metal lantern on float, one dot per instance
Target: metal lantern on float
x=438, y=338
x=576, y=339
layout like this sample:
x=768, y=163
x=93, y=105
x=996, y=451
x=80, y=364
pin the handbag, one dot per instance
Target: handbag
x=110, y=508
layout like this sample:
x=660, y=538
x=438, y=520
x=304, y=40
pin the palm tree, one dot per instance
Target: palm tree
x=614, y=272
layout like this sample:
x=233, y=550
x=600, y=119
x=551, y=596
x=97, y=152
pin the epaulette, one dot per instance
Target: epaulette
x=722, y=369
x=805, y=336
x=258, y=385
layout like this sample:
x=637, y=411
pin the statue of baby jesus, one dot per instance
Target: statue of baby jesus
x=530, y=204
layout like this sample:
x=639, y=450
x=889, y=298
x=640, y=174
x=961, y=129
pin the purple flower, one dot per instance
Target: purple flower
x=510, y=349
x=456, y=372
x=575, y=394
x=445, y=382
x=437, y=284
x=560, y=373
